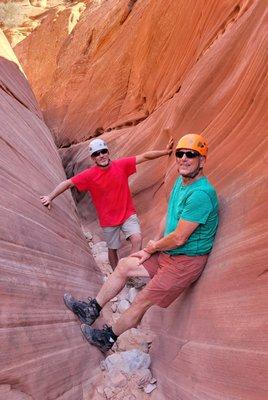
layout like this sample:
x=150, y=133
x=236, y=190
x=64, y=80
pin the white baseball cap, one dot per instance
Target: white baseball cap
x=97, y=145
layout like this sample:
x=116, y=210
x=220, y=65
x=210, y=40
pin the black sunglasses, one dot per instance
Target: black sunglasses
x=189, y=154
x=97, y=153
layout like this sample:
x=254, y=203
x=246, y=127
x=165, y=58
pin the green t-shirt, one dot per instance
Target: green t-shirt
x=196, y=202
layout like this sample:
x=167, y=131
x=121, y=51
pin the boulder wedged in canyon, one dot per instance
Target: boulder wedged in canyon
x=43, y=254
x=137, y=76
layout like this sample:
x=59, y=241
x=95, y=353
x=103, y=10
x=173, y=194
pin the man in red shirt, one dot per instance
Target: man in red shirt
x=107, y=182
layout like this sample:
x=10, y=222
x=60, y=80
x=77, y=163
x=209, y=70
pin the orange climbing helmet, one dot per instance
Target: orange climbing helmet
x=195, y=142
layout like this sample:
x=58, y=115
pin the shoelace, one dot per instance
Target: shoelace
x=106, y=328
x=87, y=304
x=105, y=338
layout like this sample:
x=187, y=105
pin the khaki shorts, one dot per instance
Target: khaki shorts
x=129, y=228
x=170, y=276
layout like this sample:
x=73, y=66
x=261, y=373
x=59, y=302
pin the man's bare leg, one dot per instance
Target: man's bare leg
x=132, y=317
x=113, y=258
x=126, y=268
x=135, y=240
x=105, y=338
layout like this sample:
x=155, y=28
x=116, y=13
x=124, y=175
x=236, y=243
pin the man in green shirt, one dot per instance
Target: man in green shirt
x=173, y=260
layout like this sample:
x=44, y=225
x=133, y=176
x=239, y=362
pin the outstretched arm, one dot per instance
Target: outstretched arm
x=47, y=199
x=151, y=155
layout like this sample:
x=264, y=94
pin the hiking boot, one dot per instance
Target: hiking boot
x=104, y=338
x=86, y=311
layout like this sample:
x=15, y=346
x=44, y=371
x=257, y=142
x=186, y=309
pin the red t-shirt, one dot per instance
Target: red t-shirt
x=109, y=190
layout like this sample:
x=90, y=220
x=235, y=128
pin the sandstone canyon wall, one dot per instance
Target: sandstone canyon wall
x=138, y=73
x=42, y=255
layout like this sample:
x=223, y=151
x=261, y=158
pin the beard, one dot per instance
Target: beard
x=192, y=174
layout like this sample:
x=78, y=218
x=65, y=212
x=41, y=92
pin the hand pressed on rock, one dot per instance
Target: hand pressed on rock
x=170, y=146
x=46, y=201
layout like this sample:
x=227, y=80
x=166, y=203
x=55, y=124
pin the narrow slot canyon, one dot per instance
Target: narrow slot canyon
x=135, y=74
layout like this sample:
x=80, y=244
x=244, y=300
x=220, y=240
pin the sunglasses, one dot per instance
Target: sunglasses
x=189, y=154
x=97, y=153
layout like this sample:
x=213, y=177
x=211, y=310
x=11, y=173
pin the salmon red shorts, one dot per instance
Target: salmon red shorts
x=171, y=275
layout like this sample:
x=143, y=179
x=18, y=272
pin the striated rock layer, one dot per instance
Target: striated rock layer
x=138, y=72
x=43, y=254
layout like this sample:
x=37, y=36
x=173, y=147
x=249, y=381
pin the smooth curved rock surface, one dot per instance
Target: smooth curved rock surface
x=106, y=73
x=42, y=254
x=167, y=68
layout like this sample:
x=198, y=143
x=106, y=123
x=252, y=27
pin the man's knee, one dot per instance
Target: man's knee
x=125, y=266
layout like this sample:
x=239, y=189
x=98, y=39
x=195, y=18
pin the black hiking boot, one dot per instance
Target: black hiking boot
x=104, y=338
x=86, y=311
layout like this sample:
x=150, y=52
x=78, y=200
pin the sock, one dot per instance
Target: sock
x=113, y=335
x=99, y=308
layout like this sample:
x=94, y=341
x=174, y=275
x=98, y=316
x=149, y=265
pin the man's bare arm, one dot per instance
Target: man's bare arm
x=152, y=155
x=171, y=241
x=175, y=239
x=46, y=200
